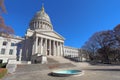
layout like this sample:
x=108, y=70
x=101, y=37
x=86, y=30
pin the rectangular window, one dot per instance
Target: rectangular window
x=12, y=44
x=11, y=52
x=1, y=61
x=2, y=51
x=4, y=43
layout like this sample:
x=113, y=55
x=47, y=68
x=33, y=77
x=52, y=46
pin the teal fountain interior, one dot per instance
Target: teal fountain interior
x=64, y=73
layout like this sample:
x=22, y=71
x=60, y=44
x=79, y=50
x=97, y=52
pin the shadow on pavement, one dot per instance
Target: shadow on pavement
x=103, y=69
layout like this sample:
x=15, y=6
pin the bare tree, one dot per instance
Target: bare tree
x=117, y=33
x=3, y=27
x=91, y=46
x=100, y=44
x=2, y=7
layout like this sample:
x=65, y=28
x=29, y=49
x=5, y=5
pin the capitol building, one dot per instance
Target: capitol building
x=40, y=40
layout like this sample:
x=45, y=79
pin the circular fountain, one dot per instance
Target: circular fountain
x=65, y=73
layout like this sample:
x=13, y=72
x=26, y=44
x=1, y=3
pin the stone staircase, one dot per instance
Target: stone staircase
x=58, y=59
x=54, y=62
x=51, y=60
x=40, y=67
x=62, y=60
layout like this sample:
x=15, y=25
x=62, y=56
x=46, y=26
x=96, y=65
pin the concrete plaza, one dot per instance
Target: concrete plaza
x=41, y=72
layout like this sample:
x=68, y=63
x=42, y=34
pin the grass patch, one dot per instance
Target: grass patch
x=3, y=71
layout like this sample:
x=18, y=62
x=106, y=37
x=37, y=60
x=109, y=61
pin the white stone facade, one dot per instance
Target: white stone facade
x=73, y=52
x=41, y=39
x=10, y=49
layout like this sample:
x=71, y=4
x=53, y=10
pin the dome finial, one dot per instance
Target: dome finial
x=42, y=9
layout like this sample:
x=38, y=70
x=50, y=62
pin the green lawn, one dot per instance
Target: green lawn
x=3, y=71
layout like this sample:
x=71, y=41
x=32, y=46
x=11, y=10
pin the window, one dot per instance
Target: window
x=12, y=44
x=11, y=52
x=1, y=61
x=2, y=51
x=4, y=43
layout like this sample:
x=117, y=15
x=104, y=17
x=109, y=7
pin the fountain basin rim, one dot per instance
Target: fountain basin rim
x=67, y=72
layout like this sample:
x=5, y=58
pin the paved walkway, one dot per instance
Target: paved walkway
x=98, y=72
x=11, y=68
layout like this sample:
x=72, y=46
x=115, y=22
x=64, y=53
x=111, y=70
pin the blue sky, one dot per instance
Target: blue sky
x=75, y=20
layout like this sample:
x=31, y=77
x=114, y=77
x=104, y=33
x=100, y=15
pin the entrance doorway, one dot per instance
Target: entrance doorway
x=48, y=52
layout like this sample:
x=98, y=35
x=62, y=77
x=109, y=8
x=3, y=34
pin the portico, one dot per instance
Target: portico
x=47, y=46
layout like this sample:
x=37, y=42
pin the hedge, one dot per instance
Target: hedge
x=3, y=65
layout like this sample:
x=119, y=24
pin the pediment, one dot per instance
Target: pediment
x=52, y=34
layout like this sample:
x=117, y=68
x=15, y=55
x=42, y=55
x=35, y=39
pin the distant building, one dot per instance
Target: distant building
x=10, y=48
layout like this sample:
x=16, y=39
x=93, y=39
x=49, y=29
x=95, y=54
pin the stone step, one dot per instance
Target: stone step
x=39, y=67
x=60, y=59
x=51, y=60
x=11, y=68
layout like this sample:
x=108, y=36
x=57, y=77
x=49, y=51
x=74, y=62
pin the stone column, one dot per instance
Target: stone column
x=62, y=50
x=34, y=24
x=49, y=47
x=36, y=45
x=33, y=48
x=20, y=55
x=39, y=45
x=41, y=42
x=45, y=47
x=54, y=48
x=7, y=49
x=58, y=48
x=37, y=24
